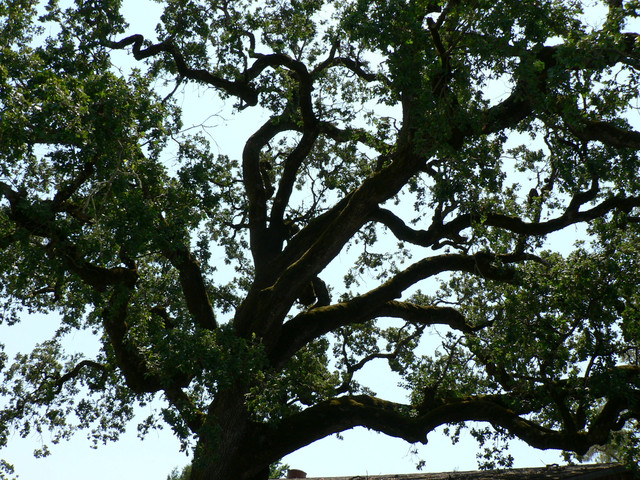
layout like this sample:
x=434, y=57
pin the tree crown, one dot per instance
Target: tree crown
x=402, y=141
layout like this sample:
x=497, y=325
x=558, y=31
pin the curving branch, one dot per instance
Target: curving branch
x=52, y=385
x=131, y=363
x=295, y=159
x=275, y=60
x=257, y=194
x=37, y=219
x=313, y=248
x=347, y=134
x=75, y=372
x=67, y=190
x=193, y=417
x=287, y=181
x=571, y=215
x=353, y=368
x=402, y=421
x=129, y=357
x=354, y=66
x=428, y=315
x=239, y=89
x=520, y=104
x=451, y=230
x=378, y=302
x=426, y=238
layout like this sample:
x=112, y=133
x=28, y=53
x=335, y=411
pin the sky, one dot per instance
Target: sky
x=357, y=452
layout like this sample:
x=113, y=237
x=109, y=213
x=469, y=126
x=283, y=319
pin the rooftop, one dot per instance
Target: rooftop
x=610, y=471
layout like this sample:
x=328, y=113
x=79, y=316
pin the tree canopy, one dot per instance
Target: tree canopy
x=402, y=141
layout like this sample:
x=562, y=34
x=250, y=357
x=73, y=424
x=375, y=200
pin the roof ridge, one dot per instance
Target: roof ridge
x=549, y=472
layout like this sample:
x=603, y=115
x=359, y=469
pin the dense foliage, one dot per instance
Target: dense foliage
x=402, y=141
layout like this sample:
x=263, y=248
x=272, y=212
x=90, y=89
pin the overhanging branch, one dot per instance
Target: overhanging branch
x=319, y=321
x=75, y=372
x=429, y=315
x=402, y=421
x=451, y=230
x=239, y=89
x=606, y=133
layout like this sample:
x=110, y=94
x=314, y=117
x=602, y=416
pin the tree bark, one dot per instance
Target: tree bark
x=227, y=443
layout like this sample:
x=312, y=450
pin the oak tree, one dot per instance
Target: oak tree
x=401, y=141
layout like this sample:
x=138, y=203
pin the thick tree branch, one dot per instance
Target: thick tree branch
x=193, y=417
x=521, y=103
x=317, y=244
x=341, y=222
x=606, y=133
x=129, y=356
x=239, y=89
x=287, y=181
x=451, y=230
x=353, y=134
x=353, y=65
x=295, y=159
x=426, y=238
x=399, y=420
x=275, y=60
x=257, y=194
x=130, y=361
x=193, y=286
x=317, y=322
x=66, y=191
x=38, y=219
x=97, y=277
x=569, y=217
x=428, y=315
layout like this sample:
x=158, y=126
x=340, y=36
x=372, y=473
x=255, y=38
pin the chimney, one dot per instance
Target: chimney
x=293, y=473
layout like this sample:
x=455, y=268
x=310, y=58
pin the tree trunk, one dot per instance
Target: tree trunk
x=226, y=447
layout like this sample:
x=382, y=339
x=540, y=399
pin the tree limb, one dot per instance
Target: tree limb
x=376, y=303
x=400, y=420
x=607, y=133
x=239, y=89
x=255, y=188
x=426, y=238
x=350, y=64
x=75, y=371
x=193, y=286
x=428, y=315
x=451, y=230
